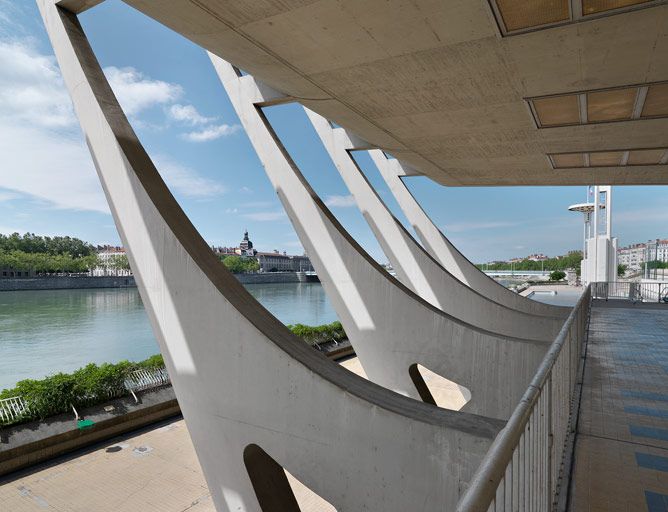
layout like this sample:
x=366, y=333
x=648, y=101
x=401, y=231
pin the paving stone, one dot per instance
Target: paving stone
x=621, y=450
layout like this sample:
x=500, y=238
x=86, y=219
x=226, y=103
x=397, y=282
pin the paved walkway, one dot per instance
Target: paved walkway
x=151, y=470
x=621, y=453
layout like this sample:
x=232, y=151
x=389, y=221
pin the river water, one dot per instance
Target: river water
x=49, y=331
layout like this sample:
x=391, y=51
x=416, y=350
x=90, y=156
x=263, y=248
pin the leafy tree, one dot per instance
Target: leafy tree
x=45, y=262
x=240, y=264
x=557, y=275
x=31, y=243
x=654, y=264
x=570, y=260
x=119, y=262
x=621, y=269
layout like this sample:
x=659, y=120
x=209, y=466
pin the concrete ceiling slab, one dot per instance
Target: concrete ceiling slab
x=436, y=84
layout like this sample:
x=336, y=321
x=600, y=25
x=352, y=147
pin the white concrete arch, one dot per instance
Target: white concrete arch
x=414, y=266
x=241, y=378
x=390, y=327
x=438, y=245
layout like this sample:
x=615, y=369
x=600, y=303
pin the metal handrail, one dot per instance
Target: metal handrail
x=13, y=408
x=509, y=452
x=635, y=291
x=143, y=379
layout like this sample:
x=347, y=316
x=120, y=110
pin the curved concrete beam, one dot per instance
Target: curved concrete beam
x=243, y=381
x=438, y=245
x=414, y=266
x=390, y=327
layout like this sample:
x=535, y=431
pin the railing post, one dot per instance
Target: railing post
x=550, y=436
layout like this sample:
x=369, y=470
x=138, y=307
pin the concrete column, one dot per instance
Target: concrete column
x=390, y=326
x=414, y=266
x=438, y=245
x=241, y=378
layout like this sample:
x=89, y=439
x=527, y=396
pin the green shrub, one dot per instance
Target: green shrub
x=557, y=275
x=87, y=386
x=319, y=334
x=95, y=384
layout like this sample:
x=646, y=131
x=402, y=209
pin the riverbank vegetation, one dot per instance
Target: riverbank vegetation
x=31, y=243
x=319, y=334
x=44, y=263
x=87, y=386
x=43, y=254
x=95, y=384
x=570, y=260
x=240, y=265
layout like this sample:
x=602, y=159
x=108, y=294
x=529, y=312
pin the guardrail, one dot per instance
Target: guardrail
x=630, y=290
x=525, y=466
x=140, y=380
x=12, y=409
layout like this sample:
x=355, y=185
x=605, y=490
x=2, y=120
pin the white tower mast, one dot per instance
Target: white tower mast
x=599, y=263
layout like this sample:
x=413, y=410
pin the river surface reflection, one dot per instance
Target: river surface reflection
x=48, y=331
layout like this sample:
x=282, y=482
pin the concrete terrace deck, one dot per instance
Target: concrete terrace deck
x=154, y=469
x=621, y=451
x=621, y=455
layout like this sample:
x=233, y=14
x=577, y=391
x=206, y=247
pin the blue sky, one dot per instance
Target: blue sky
x=176, y=104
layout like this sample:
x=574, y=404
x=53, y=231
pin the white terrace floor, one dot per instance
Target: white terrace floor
x=153, y=470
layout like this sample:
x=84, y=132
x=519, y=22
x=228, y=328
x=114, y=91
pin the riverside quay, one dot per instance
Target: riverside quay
x=468, y=396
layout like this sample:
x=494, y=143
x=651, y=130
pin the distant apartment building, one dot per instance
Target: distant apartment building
x=110, y=261
x=536, y=257
x=633, y=256
x=224, y=251
x=269, y=261
x=277, y=262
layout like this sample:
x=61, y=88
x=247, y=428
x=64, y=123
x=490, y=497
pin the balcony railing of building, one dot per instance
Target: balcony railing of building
x=528, y=465
x=633, y=291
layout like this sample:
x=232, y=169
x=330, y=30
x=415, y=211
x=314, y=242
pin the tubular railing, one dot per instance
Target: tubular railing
x=629, y=290
x=140, y=380
x=16, y=409
x=11, y=409
x=525, y=465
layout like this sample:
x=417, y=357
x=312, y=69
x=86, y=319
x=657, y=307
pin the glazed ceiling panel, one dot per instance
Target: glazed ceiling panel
x=598, y=6
x=440, y=85
x=615, y=105
x=656, y=101
x=519, y=14
x=558, y=110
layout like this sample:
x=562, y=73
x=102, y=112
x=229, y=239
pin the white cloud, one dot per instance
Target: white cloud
x=31, y=89
x=186, y=181
x=53, y=166
x=340, y=201
x=43, y=152
x=266, y=216
x=8, y=196
x=135, y=92
x=211, y=132
x=188, y=114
